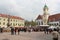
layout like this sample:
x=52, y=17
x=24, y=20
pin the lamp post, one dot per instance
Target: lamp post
x=8, y=24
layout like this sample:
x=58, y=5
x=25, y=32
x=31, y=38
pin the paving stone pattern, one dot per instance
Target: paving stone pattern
x=26, y=36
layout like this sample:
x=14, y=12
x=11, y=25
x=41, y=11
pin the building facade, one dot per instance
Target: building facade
x=43, y=19
x=45, y=15
x=39, y=20
x=46, y=19
x=12, y=21
x=54, y=19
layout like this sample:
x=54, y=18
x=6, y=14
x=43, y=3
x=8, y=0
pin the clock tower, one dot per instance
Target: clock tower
x=45, y=15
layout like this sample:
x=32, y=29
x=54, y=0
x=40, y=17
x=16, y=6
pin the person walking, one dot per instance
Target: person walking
x=55, y=35
x=15, y=30
x=18, y=30
x=0, y=29
x=47, y=30
x=12, y=31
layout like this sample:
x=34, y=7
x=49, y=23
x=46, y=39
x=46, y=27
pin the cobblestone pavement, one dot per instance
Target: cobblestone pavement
x=26, y=36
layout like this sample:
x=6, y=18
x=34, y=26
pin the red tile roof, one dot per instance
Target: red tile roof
x=39, y=17
x=55, y=17
x=14, y=17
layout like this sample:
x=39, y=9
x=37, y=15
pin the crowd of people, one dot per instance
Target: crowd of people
x=51, y=30
x=15, y=30
x=55, y=33
x=1, y=30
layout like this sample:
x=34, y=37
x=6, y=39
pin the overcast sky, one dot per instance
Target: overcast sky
x=28, y=9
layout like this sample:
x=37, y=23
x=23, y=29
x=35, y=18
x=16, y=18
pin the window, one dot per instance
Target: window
x=39, y=23
x=4, y=19
x=0, y=18
x=16, y=20
x=13, y=24
x=57, y=23
x=16, y=23
x=19, y=24
x=0, y=23
x=11, y=19
x=3, y=23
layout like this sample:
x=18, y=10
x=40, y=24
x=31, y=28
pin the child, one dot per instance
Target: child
x=55, y=35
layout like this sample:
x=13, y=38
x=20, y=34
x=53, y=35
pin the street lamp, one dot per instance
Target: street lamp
x=8, y=24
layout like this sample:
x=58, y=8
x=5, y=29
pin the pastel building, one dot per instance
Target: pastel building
x=47, y=19
x=43, y=19
x=54, y=19
x=10, y=20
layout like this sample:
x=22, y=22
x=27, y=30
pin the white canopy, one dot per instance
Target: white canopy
x=52, y=27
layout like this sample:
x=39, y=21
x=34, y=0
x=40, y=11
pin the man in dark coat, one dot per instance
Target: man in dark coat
x=0, y=29
x=18, y=30
x=15, y=30
x=55, y=35
x=12, y=31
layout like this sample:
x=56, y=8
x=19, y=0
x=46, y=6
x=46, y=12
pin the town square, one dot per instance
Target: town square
x=29, y=19
x=26, y=36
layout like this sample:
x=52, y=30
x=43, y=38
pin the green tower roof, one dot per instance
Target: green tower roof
x=45, y=7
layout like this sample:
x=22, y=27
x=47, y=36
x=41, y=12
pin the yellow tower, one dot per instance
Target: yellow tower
x=45, y=15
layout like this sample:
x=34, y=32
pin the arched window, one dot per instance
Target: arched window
x=39, y=23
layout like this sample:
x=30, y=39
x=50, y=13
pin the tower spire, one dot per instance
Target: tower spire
x=45, y=15
x=45, y=6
